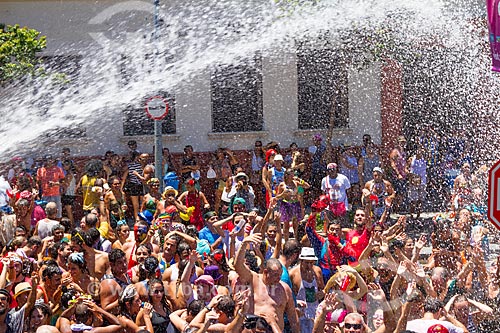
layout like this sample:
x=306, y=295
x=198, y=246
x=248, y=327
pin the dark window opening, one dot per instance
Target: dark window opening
x=322, y=89
x=237, y=97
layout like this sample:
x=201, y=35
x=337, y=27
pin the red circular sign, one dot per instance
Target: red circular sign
x=494, y=195
x=157, y=107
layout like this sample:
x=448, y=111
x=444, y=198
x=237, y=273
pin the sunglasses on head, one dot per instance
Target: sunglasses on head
x=355, y=326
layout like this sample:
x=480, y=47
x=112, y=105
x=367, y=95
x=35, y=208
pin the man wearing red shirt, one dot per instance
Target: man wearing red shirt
x=357, y=238
x=49, y=179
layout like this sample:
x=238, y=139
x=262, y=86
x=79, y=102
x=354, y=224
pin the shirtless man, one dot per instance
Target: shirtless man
x=113, y=284
x=463, y=187
x=141, y=235
x=270, y=297
x=50, y=288
x=307, y=282
x=97, y=261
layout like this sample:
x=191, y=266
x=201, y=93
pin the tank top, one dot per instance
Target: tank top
x=134, y=166
x=175, y=274
x=122, y=284
x=277, y=177
x=70, y=190
x=193, y=199
x=160, y=323
x=307, y=292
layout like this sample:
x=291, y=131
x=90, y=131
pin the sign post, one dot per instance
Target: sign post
x=157, y=109
x=494, y=195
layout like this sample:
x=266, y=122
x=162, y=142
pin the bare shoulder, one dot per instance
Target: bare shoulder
x=101, y=255
x=108, y=284
x=294, y=271
x=317, y=270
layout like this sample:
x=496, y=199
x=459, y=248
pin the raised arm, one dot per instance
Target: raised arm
x=279, y=236
x=239, y=263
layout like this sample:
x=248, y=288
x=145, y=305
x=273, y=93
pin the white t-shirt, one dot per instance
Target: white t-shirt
x=336, y=188
x=422, y=325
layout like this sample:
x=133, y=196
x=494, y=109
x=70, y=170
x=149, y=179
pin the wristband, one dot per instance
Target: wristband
x=208, y=308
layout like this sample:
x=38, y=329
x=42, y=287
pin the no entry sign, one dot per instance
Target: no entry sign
x=494, y=195
x=157, y=107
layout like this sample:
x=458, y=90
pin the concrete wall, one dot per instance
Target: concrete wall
x=68, y=27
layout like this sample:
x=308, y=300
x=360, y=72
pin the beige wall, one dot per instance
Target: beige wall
x=67, y=25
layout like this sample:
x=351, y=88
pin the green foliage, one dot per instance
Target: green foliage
x=288, y=7
x=18, y=51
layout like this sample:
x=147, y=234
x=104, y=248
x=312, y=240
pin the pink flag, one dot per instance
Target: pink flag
x=494, y=32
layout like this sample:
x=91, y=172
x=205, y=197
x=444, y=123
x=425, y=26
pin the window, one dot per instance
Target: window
x=432, y=96
x=136, y=121
x=64, y=72
x=237, y=97
x=322, y=89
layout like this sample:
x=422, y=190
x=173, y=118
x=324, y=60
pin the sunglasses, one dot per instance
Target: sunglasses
x=3, y=299
x=158, y=291
x=355, y=326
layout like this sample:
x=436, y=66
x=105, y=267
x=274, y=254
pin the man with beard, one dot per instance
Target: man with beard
x=9, y=321
x=97, y=261
x=308, y=287
x=60, y=252
x=142, y=235
x=114, y=283
x=357, y=239
x=50, y=288
x=27, y=212
x=270, y=296
x=31, y=249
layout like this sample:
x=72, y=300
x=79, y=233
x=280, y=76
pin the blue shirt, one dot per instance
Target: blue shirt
x=209, y=236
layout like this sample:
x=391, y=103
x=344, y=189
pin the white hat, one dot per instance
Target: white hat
x=307, y=253
x=278, y=157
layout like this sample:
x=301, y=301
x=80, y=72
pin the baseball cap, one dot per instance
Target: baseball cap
x=331, y=166
x=378, y=169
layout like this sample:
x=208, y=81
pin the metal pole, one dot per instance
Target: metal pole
x=158, y=153
x=158, y=132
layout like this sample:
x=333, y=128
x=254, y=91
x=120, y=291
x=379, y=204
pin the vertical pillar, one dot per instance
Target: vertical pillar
x=391, y=77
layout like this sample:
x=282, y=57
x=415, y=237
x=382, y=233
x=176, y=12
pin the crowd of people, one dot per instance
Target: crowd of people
x=291, y=240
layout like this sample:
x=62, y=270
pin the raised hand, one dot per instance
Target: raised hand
x=377, y=294
x=421, y=242
x=194, y=256
x=215, y=301
x=254, y=239
x=330, y=301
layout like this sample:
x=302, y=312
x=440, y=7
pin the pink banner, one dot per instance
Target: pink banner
x=494, y=32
